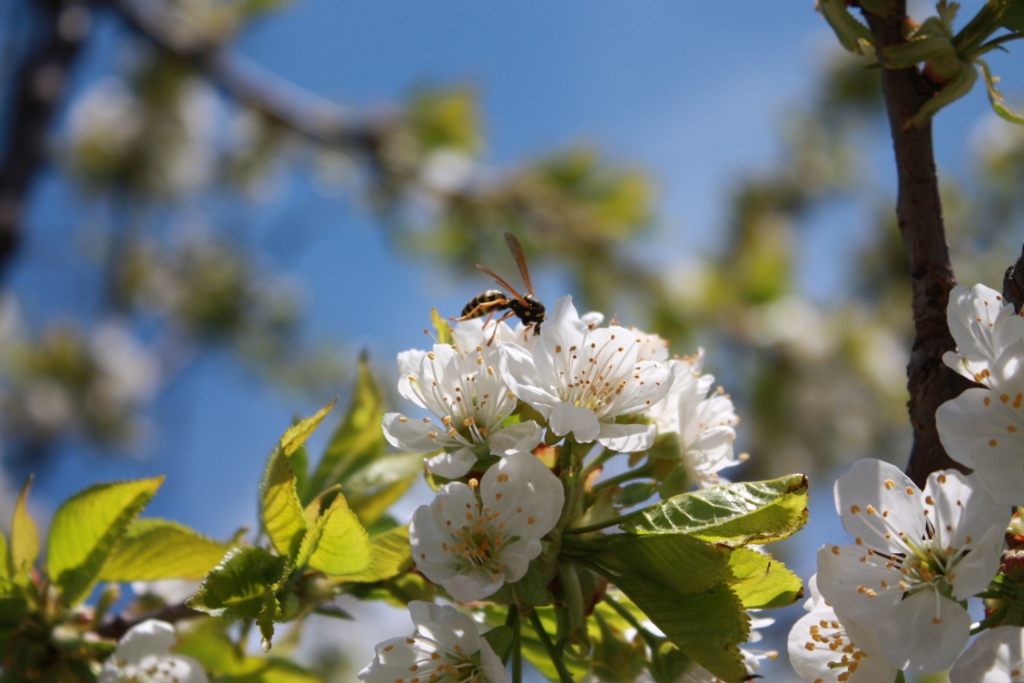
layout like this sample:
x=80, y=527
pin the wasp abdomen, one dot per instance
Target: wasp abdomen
x=476, y=308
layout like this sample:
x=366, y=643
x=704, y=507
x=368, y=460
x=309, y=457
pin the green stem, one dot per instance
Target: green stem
x=603, y=457
x=556, y=656
x=652, y=640
x=644, y=472
x=515, y=624
x=989, y=621
x=900, y=678
x=597, y=526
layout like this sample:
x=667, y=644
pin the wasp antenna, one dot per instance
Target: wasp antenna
x=507, y=286
x=520, y=258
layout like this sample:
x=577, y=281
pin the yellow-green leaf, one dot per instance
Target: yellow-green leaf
x=5, y=561
x=24, y=534
x=390, y=555
x=762, y=582
x=358, y=439
x=297, y=434
x=343, y=547
x=154, y=549
x=86, y=529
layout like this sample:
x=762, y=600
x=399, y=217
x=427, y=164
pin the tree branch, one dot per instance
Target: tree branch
x=919, y=213
x=39, y=87
x=308, y=114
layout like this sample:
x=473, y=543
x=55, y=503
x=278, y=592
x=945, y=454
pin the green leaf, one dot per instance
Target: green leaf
x=269, y=613
x=995, y=97
x=24, y=534
x=282, y=512
x=849, y=31
x=761, y=582
x=6, y=573
x=86, y=529
x=372, y=488
x=208, y=642
x=390, y=555
x=707, y=626
x=154, y=549
x=681, y=563
x=680, y=584
x=297, y=434
x=237, y=587
x=500, y=639
x=1013, y=16
x=358, y=439
x=733, y=514
x=343, y=546
x=441, y=326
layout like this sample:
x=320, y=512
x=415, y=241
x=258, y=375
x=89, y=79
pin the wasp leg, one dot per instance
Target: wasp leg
x=480, y=310
x=496, y=323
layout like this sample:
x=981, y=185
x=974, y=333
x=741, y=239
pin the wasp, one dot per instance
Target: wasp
x=526, y=307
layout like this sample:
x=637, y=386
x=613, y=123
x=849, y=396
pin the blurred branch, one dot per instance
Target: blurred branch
x=919, y=213
x=303, y=112
x=1013, y=283
x=118, y=626
x=39, y=87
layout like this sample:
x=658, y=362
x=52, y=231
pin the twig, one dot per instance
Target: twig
x=118, y=626
x=919, y=212
x=311, y=116
x=39, y=87
x=1013, y=283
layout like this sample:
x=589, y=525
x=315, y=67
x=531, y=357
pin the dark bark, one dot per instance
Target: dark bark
x=39, y=85
x=919, y=212
x=1013, y=283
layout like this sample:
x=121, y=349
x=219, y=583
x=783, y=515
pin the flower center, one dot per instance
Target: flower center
x=830, y=636
x=479, y=542
x=436, y=665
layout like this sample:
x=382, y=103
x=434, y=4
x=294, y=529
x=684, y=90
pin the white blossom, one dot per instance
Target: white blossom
x=917, y=555
x=983, y=327
x=474, y=539
x=703, y=422
x=580, y=378
x=983, y=427
x=823, y=648
x=996, y=656
x=144, y=656
x=462, y=386
x=445, y=648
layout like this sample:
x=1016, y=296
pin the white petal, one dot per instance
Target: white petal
x=414, y=435
x=874, y=499
x=996, y=656
x=151, y=637
x=964, y=420
x=976, y=570
x=518, y=367
x=858, y=584
x=452, y=465
x=491, y=668
x=961, y=502
x=524, y=494
x=446, y=626
x=926, y=632
x=821, y=649
x=582, y=423
x=519, y=436
x=626, y=438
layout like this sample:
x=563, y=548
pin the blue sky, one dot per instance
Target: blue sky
x=694, y=92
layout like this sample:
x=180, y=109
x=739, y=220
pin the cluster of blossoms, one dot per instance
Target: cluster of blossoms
x=894, y=600
x=144, y=656
x=494, y=395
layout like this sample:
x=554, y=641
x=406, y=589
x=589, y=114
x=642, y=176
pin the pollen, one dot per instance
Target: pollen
x=993, y=443
x=889, y=484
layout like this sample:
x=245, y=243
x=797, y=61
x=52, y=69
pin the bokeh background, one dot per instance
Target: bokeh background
x=238, y=197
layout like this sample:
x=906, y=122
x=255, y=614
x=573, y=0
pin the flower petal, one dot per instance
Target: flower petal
x=582, y=423
x=926, y=632
x=452, y=465
x=996, y=656
x=626, y=438
x=876, y=502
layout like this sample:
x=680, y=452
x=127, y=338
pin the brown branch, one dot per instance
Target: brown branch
x=919, y=213
x=1013, y=283
x=116, y=627
x=39, y=87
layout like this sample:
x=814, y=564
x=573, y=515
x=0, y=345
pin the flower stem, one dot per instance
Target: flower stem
x=989, y=621
x=652, y=640
x=604, y=456
x=556, y=656
x=515, y=624
x=643, y=472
